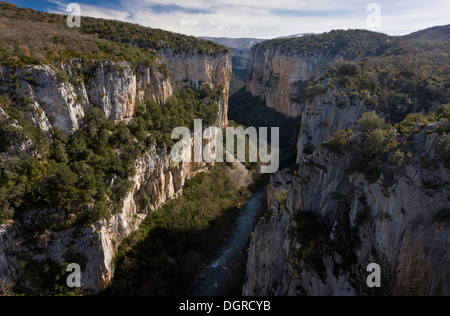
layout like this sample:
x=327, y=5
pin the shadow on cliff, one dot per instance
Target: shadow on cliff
x=168, y=260
x=249, y=111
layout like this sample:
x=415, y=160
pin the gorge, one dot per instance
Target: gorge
x=354, y=198
x=86, y=175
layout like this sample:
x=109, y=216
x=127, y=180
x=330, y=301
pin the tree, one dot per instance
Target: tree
x=369, y=122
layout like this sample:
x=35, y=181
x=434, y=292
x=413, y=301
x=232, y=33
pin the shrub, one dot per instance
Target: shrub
x=348, y=69
x=378, y=143
x=398, y=158
x=281, y=196
x=6, y=289
x=370, y=122
x=34, y=37
x=410, y=121
x=337, y=143
x=444, y=127
x=311, y=91
x=444, y=111
x=26, y=101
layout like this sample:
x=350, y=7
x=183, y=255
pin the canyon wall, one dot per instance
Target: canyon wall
x=59, y=96
x=392, y=225
x=325, y=115
x=156, y=177
x=275, y=76
x=196, y=71
x=326, y=222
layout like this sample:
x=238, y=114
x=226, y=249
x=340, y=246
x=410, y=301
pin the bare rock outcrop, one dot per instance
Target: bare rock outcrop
x=395, y=227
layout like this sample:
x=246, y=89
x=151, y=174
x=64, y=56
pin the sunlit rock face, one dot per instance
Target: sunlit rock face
x=274, y=76
x=59, y=97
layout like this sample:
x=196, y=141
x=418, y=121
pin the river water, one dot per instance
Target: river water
x=220, y=270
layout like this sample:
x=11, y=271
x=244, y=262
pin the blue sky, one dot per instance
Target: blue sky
x=260, y=18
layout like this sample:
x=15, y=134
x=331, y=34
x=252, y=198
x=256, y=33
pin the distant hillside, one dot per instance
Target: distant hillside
x=295, y=35
x=33, y=37
x=351, y=44
x=433, y=33
x=236, y=43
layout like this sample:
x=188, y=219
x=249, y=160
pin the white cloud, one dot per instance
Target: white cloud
x=184, y=22
x=94, y=11
x=269, y=18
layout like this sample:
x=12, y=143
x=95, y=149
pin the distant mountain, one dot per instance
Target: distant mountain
x=236, y=43
x=295, y=35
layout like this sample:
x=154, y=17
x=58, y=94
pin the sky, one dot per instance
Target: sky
x=261, y=18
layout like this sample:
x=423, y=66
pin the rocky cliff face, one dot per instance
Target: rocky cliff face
x=59, y=95
x=323, y=116
x=274, y=76
x=398, y=230
x=156, y=177
x=196, y=71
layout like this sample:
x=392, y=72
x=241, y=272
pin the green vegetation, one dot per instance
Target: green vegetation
x=338, y=142
x=6, y=289
x=380, y=148
x=46, y=278
x=352, y=44
x=32, y=37
x=312, y=90
x=144, y=37
x=396, y=85
x=91, y=167
x=378, y=140
x=281, y=197
x=164, y=255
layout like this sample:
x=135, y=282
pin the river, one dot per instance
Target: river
x=217, y=275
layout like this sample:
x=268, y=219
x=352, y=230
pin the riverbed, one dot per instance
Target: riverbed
x=216, y=277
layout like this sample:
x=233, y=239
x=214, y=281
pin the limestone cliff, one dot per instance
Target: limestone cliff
x=325, y=115
x=280, y=67
x=156, y=177
x=361, y=222
x=274, y=76
x=59, y=95
x=196, y=71
x=113, y=87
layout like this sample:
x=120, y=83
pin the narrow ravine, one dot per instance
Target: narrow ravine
x=220, y=271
